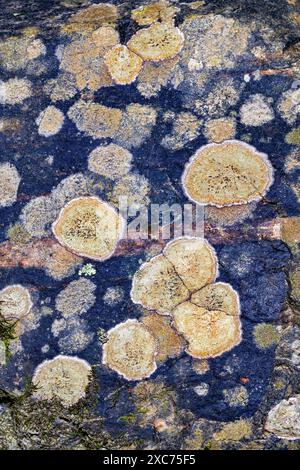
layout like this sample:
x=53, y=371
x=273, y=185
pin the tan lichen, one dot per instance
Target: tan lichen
x=95, y=119
x=64, y=378
x=16, y=52
x=123, y=64
x=134, y=187
x=194, y=260
x=230, y=215
x=256, y=111
x=170, y=344
x=9, y=184
x=77, y=298
x=148, y=14
x=158, y=42
x=155, y=75
x=111, y=161
x=91, y=18
x=209, y=333
x=50, y=121
x=84, y=58
x=89, y=227
x=15, y=91
x=15, y=302
x=265, y=335
x=130, y=350
x=156, y=286
x=226, y=174
x=218, y=130
x=218, y=296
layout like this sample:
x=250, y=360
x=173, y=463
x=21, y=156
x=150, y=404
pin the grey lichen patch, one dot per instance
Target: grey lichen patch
x=37, y=216
x=61, y=88
x=9, y=184
x=77, y=298
x=64, y=378
x=284, y=419
x=15, y=302
x=135, y=126
x=186, y=127
x=15, y=91
x=89, y=227
x=95, y=119
x=237, y=396
x=230, y=173
x=113, y=295
x=289, y=105
x=134, y=187
x=155, y=75
x=130, y=350
x=256, y=111
x=50, y=121
x=218, y=130
x=111, y=161
x=18, y=52
x=156, y=286
x=158, y=42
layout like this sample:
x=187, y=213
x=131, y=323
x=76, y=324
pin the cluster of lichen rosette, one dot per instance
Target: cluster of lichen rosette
x=178, y=283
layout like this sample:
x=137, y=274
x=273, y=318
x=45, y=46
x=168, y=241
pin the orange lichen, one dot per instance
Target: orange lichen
x=123, y=64
x=209, y=333
x=226, y=174
x=130, y=350
x=170, y=344
x=158, y=42
x=89, y=227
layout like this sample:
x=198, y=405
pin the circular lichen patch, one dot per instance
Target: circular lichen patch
x=64, y=378
x=130, y=350
x=15, y=302
x=157, y=286
x=89, y=227
x=123, y=64
x=194, y=261
x=158, y=42
x=218, y=296
x=209, y=333
x=228, y=173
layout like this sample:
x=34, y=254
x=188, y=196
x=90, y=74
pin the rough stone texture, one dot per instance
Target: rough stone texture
x=237, y=76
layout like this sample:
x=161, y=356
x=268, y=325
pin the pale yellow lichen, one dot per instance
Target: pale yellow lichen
x=218, y=296
x=84, y=58
x=14, y=91
x=64, y=378
x=230, y=215
x=50, y=121
x=111, y=161
x=89, y=227
x=158, y=42
x=130, y=350
x=170, y=344
x=123, y=64
x=209, y=333
x=15, y=302
x=157, y=286
x=218, y=130
x=194, y=260
x=91, y=18
x=95, y=119
x=226, y=174
x=9, y=184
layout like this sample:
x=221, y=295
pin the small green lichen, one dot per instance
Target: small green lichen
x=293, y=137
x=16, y=233
x=265, y=335
x=87, y=270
